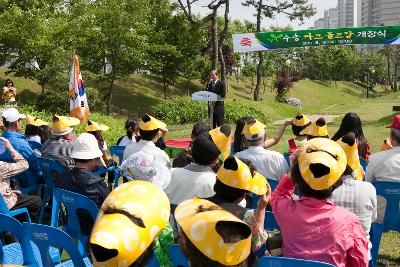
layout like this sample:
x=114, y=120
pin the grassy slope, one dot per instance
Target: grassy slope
x=136, y=94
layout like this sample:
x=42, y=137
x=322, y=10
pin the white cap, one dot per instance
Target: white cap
x=86, y=147
x=11, y=115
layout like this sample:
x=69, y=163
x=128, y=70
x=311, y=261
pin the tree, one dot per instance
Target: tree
x=294, y=9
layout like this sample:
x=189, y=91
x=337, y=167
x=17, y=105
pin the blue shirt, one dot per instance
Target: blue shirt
x=19, y=143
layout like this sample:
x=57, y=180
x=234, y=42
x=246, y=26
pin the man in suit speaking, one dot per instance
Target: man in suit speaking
x=218, y=87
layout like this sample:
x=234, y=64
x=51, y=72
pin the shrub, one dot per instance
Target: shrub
x=183, y=110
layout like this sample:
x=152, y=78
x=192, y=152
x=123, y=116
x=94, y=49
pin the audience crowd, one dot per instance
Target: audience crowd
x=324, y=203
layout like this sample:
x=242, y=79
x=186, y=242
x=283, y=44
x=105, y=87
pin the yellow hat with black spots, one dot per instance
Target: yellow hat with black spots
x=31, y=120
x=321, y=162
x=301, y=120
x=316, y=129
x=149, y=123
x=95, y=126
x=200, y=220
x=236, y=174
x=349, y=145
x=130, y=219
x=253, y=130
x=221, y=136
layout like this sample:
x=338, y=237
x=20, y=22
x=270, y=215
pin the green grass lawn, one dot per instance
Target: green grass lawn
x=136, y=94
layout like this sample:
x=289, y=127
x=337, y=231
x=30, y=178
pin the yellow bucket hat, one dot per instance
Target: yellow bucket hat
x=94, y=127
x=221, y=137
x=149, y=123
x=254, y=130
x=321, y=162
x=301, y=120
x=61, y=126
x=236, y=174
x=349, y=145
x=31, y=120
x=130, y=219
x=315, y=130
x=201, y=229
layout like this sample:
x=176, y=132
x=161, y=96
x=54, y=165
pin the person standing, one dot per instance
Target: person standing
x=218, y=87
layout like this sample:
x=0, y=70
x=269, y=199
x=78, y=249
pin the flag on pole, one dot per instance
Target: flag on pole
x=78, y=104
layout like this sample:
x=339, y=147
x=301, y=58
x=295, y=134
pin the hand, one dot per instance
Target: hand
x=7, y=143
x=264, y=199
x=163, y=130
x=288, y=122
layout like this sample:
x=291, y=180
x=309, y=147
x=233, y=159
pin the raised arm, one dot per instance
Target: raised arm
x=273, y=141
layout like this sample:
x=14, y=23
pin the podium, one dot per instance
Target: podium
x=211, y=98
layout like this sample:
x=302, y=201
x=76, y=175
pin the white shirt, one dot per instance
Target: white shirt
x=192, y=181
x=149, y=148
x=384, y=166
x=35, y=138
x=125, y=141
x=360, y=198
x=269, y=163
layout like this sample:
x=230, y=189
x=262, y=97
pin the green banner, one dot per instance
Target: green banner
x=343, y=36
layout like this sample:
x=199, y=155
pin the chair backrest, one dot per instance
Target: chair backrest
x=118, y=151
x=270, y=221
x=375, y=235
x=3, y=206
x=289, y=262
x=273, y=183
x=363, y=164
x=9, y=224
x=287, y=156
x=391, y=192
x=51, y=170
x=73, y=203
x=45, y=236
x=35, y=145
x=177, y=256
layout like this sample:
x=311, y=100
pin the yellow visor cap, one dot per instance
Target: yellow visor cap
x=62, y=125
x=353, y=159
x=253, y=131
x=201, y=229
x=94, y=127
x=236, y=174
x=130, y=219
x=30, y=120
x=315, y=130
x=149, y=123
x=72, y=121
x=321, y=162
x=221, y=137
x=301, y=120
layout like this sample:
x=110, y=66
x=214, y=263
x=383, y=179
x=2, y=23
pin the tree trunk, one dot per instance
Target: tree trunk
x=260, y=55
x=165, y=90
x=222, y=40
x=214, y=41
x=43, y=85
x=395, y=77
x=109, y=96
x=188, y=86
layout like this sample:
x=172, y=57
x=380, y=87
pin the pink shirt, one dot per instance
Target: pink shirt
x=318, y=230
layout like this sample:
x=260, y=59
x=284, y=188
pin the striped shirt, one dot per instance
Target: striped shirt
x=59, y=149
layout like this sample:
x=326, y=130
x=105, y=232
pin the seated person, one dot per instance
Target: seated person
x=235, y=179
x=149, y=129
x=58, y=147
x=126, y=230
x=299, y=123
x=13, y=198
x=316, y=129
x=270, y=164
x=197, y=179
x=12, y=121
x=132, y=131
x=355, y=195
x=32, y=128
x=199, y=128
x=312, y=224
x=182, y=159
x=211, y=236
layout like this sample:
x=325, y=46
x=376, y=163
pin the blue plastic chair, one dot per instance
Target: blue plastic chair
x=153, y=262
x=269, y=224
x=103, y=170
x=363, y=164
x=391, y=192
x=28, y=183
x=51, y=170
x=45, y=236
x=375, y=235
x=12, y=213
x=72, y=202
x=289, y=262
x=287, y=156
x=35, y=145
x=17, y=253
x=119, y=152
x=177, y=256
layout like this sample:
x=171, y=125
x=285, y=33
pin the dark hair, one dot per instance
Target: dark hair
x=9, y=80
x=31, y=130
x=199, y=128
x=99, y=138
x=182, y=159
x=231, y=232
x=148, y=135
x=83, y=160
x=228, y=193
x=351, y=123
x=240, y=143
x=131, y=126
x=306, y=190
x=44, y=133
x=297, y=129
x=8, y=124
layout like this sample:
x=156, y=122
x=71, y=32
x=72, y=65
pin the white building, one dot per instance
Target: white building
x=319, y=24
x=331, y=19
